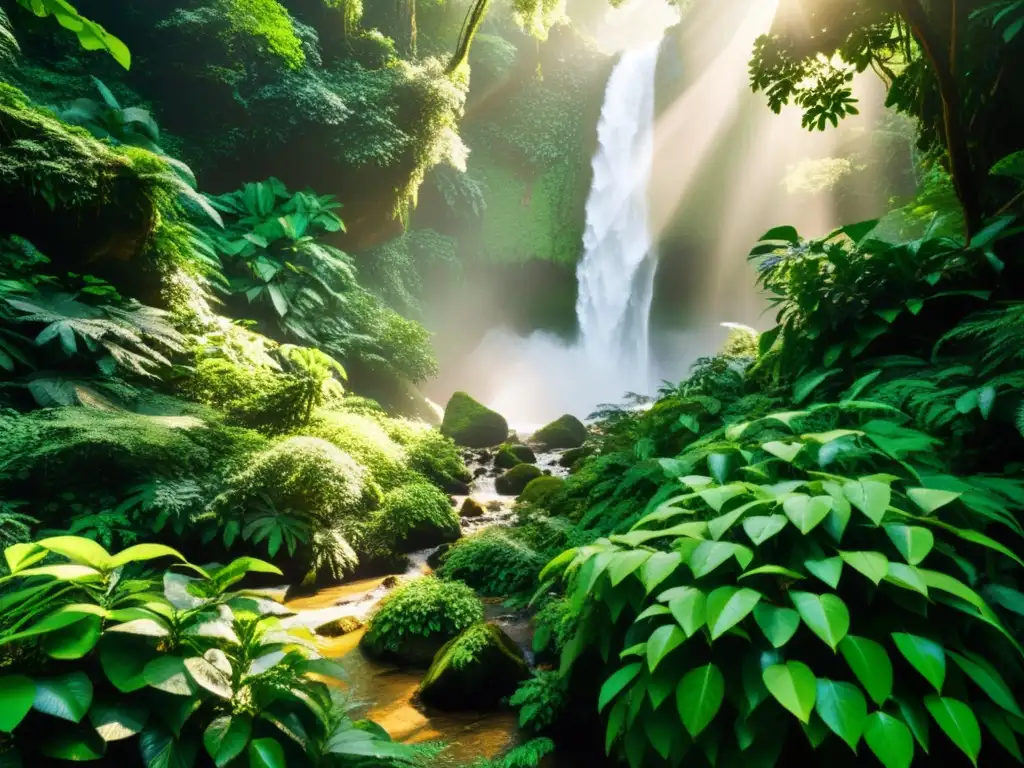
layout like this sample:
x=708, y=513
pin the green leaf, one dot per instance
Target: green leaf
x=778, y=624
x=663, y=641
x=807, y=513
x=74, y=641
x=890, y=740
x=926, y=656
x=785, y=451
x=626, y=563
x=843, y=709
x=168, y=674
x=225, y=738
x=613, y=685
x=17, y=693
x=124, y=662
x=785, y=234
x=869, y=496
x=160, y=749
x=773, y=570
x=958, y=722
x=212, y=671
x=931, y=499
x=996, y=723
x=114, y=722
x=761, y=529
x=659, y=567
x=872, y=565
x=727, y=607
x=689, y=608
x=699, y=697
x=806, y=385
x=67, y=697
x=266, y=753
x=913, y=542
x=825, y=615
x=794, y=686
x=989, y=680
x=870, y=663
x=709, y=555
x=79, y=745
x=720, y=525
x=143, y=552
x=828, y=570
x=78, y=550
x=906, y=576
x=916, y=718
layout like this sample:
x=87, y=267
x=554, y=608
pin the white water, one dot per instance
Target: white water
x=543, y=377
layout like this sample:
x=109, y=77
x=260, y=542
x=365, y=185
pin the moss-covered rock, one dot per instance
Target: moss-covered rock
x=476, y=669
x=570, y=458
x=417, y=619
x=415, y=517
x=340, y=627
x=471, y=424
x=512, y=455
x=541, y=489
x=471, y=508
x=514, y=482
x=564, y=432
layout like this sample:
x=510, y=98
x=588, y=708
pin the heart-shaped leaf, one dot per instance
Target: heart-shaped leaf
x=805, y=512
x=115, y=722
x=67, y=697
x=760, y=529
x=931, y=499
x=728, y=606
x=926, y=656
x=890, y=740
x=828, y=570
x=870, y=663
x=871, y=564
x=825, y=615
x=699, y=697
x=794, y=686
x=778, y=624
x=871, y=497
x=843, y=709
x=225, y=738
x=913, y=542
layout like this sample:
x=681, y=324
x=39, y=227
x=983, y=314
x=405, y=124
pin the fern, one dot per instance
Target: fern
x=15, y=527
x=998, y=334
x=9, y=48
x=160, y=501
x=528, y=755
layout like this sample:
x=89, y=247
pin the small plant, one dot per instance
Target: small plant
x=494, y=562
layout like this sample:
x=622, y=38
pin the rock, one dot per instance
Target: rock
x=435, y=558
x=453, y=501
x=479, y=471
x=456, y=487
x=340, y=627
x=476, y=669
x=471, y=508
x=495, y=506
x=513, y=482
x=511, y=455
x=484, y=456
x=540, y=490
x=564, y=432
x=391, y=582
x=570, y=458
x=471, y=424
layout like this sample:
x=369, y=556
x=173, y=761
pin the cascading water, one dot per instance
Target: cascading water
x=616, y=273
x=545, y=378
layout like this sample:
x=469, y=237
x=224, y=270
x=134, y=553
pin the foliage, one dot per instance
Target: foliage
x=541, y=491
x=791, y=494
x=510, y=454
x=414, y=517
x=91, y=36
x=393, y=270
x=528, y=755
x=366, y=439
x=266, y=19
x=425, y=608
x=434, y=456
x=540, y=700
x=494, y=562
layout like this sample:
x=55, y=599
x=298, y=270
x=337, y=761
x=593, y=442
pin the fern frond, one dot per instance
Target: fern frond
x=998, y=333
x=9, y=47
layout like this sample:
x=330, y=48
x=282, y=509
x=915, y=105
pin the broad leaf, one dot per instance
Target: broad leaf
x=869, y=496
x=828, y=570
x=225, y=738
x=913, y=542
x=870, y=663
x=931, y=499
x=890, y=740
x=168, y=674
x=761, y=529
x=842, y=707
x=825, y=615
x=626, y=563
x=727, y=607
x=266, y=753
x=659, y=567
x=663, y=641
x=778, y=624
x=989, y=680
x=926, y=656
x=872, y=565
x=699, y=697
x=613, y=685
x=114, y=722
x=67, y=697
x=689, y=608
x=807, y=513
x=958, y=722
x=794, y=686
x=17, y=693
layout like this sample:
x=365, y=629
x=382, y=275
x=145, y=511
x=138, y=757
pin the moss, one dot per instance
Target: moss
x=513, y=482
x=572, y=457
x=365, y=439
x=511, y=455
x=417, y=619
x=476, y=669
x=541, y=490
x=564, y=432
x=269, y=21
x=471, y=424
x=471, y=508
x=415, y=517
x=495, y=562
x=430, y=453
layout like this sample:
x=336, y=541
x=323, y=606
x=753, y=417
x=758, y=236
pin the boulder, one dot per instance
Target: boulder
x=564, y=432
x=435, y=558
x=541, y=489
x=512, y=455
x=513, y=482
x=471, y=424
x=570, y=458
x=476, y=669
x=340, y=627
x=456, y=487
x=471, y=508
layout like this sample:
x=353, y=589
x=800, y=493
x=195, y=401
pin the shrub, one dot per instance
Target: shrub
x=540, y=700
x=516, y=479
x=494, y=562
x=541, y=490
x=806, y=574
x=432, y=454
x=564, y=432
x=471, y=424
x=416, y=517
x=365, y=439
x=415, y=620
x=510, y=455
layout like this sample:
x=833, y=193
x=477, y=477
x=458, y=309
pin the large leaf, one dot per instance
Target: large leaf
x=73, y=745
x=926, y=656
x=699, y=697
x=17, y=693
x=161, y=749
x=958, y=722
x=869, y=496
x=913, y=542
x=124, y=662
x=78, y=550
x=794, y=686
x=870, y=663
x=212, y=671
x=807, y=513
x=613, y=685
x=843, y=709
x=709, y=555
x=931, y=499
x=828, y=570
x=143, y=552
x=67, y=697
x=168, y=674
x=225, y=738
x=727, y=606
x=659, y=567
x=873, y=565
x=689, y=609
x=663, y=641
x=266, y=753
x=778, y=624
x=989, y=680
x=890, y=740
x=760, y=529
x=74, y=641
x=825, y=615
x=114, y=722
x=626, y=563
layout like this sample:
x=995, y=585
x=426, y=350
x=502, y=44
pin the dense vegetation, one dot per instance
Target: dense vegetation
x=212, y=282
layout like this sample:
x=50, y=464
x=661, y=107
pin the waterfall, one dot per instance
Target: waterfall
x=616, y=273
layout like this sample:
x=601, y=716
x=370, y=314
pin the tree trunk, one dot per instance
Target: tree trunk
x=940, y=57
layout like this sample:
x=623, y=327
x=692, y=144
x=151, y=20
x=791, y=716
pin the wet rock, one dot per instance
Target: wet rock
x=434, y=561
x=513, y=482
x=479, y=471
x=564, y=432
x=456, y=487
x=541, y=490
x=484, y=457
x=471, y=508
x=391, y=582
x=339, y=627
x=453, y=501
x=476, y=669
x=512, y=455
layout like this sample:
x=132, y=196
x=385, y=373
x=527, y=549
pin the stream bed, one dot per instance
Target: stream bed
x=385, y=693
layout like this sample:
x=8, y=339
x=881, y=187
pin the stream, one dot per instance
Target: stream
x=385, y=693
